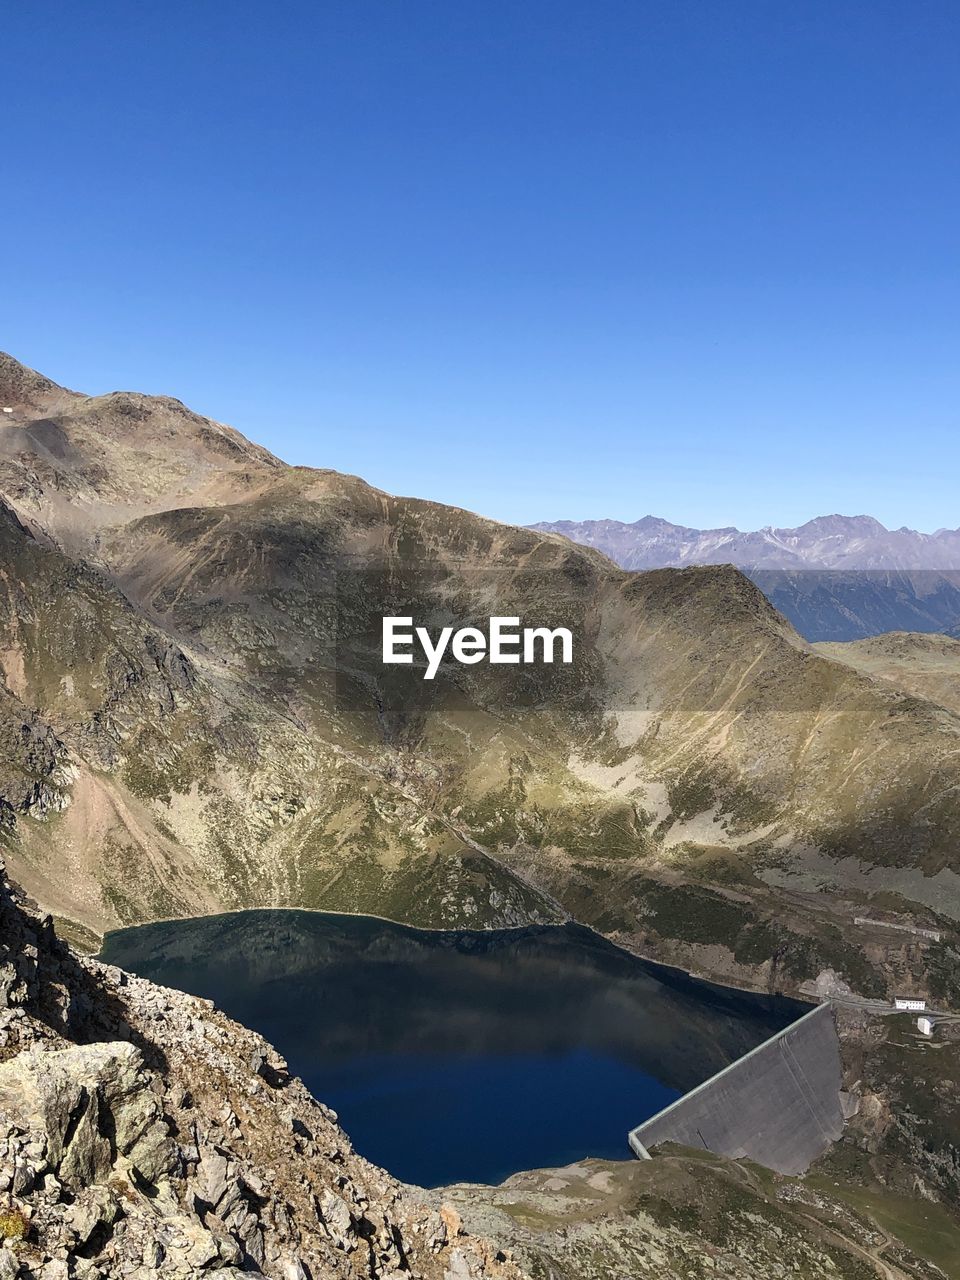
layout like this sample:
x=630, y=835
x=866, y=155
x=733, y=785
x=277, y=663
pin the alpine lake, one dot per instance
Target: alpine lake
x=461, y=1056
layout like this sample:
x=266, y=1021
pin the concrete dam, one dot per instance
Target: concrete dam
x=779, y=1105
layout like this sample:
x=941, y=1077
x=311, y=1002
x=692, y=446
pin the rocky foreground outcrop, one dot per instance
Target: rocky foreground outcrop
x=144, y=1134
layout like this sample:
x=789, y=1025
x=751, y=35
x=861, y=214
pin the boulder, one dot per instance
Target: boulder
x=92, y=1103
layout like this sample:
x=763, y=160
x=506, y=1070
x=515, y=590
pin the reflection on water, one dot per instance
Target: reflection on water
x=460, y=1056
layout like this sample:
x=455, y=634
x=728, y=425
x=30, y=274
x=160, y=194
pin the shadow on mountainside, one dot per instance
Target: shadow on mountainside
x=41, y=975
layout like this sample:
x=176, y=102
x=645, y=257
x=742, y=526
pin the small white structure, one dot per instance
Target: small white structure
x=925, y=1026
x=6, y=410
x=908, y=1002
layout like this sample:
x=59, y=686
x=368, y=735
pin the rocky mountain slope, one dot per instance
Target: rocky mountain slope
x=688, y=1214
x=196, y=717
x=836, y=578
x=925, y=665
x=143, y=1133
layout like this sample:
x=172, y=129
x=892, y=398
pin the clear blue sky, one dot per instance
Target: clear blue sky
x=533, y=257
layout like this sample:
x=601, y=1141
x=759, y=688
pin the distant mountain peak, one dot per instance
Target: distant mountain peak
x=835, y=577
x=826, y=542
x=863, y=526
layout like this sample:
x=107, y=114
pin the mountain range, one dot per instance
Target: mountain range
x=835, y=577
x=194, y=717
x=828, y=542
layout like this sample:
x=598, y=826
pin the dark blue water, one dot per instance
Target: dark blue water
x=461, y=1056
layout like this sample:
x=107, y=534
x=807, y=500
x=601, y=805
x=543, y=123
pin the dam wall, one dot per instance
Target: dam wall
x=779, y=1105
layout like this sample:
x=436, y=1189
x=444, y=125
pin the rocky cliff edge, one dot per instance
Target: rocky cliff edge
x=144, y=1134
